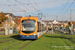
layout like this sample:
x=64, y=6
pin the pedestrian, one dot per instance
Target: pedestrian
x=69, y=30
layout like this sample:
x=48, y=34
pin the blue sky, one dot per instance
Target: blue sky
x=50, y=8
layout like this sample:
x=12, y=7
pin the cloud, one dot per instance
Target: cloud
x=65, y=17
x=34, y=6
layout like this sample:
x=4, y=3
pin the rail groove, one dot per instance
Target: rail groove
x=25, y=45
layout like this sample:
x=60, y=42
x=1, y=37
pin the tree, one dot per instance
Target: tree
x=0, y=21
x=2, y=18
x=69, y=23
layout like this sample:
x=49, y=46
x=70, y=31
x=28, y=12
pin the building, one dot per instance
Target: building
x=55, y=23
x=11, y=20
x=17, y=19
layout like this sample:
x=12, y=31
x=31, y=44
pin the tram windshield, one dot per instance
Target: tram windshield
x=28, y=26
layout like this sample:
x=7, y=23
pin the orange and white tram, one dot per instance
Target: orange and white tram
x=31, y=28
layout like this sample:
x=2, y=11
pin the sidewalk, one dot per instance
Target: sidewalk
x=2, y=32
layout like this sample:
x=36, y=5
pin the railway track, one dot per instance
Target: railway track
x=13, y=46
x=8, y=37
x=25, y=45
x=5, y=37
x=66, y=37
x=51, y=32
x=18, y=44
x=7, y=40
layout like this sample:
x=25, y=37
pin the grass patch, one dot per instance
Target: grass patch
x=3, y=46
x=17, y=47
x=4, y=39
x=46, y=42
x=49, y=42
x=2, y=36
x=71, y=37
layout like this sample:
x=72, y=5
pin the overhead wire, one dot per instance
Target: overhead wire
x=36, y=4
x=21, y=4
x=32, y=5
x=4, y=4
x=63, y=8
x=9, y=5
x=16, y=6
x=68, y=8
x=38, y=7
x=29, y=5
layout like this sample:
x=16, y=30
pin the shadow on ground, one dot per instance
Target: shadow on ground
x=57, y=37
x=17, y=37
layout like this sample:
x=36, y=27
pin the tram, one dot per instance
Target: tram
x=31, y=28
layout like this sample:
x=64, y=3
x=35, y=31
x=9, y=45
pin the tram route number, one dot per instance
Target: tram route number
x=27, y=35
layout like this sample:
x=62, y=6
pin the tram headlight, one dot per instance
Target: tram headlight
x=35, y=34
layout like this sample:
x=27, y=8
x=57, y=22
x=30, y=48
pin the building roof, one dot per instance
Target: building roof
x=63, y=21
x=47, y=20
x=54, y=21
x=9, y=14
x=13, y=15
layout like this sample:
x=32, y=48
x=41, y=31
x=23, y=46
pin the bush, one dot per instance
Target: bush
x=3, y=29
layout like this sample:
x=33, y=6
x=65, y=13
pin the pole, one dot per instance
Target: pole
x=63, y=25
x=41, y=23
x=9, y=24
x=25, y=13
x=16, y=25
x=57, y=17
x=52, y=27
x=12, y=20
x=40, y=19
x=57, y=20
x=44, y=17
x=71, y=20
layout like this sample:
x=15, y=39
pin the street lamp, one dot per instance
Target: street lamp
x=40, y=19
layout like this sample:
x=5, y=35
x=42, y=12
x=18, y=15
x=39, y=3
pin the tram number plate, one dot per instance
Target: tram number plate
x=27, y=35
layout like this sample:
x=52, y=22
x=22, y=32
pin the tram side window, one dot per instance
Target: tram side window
x=43, y=28
x=39, y=26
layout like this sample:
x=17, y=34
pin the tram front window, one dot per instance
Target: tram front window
x=28, y=26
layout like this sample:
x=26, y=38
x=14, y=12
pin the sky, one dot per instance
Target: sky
x=50, y=9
